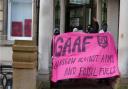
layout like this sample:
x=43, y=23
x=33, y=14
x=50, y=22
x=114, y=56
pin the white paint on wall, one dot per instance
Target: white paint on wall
x=5, y=55
x=123, y=39
x=113, y=18
x=45, y=34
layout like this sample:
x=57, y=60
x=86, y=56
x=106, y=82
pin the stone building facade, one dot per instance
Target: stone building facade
x=54, y=14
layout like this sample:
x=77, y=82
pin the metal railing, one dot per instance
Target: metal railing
x=5, y=77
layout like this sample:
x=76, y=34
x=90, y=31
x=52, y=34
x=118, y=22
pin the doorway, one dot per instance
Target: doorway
x=78, y=14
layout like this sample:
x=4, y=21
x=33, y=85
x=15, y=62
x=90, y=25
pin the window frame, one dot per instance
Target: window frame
x=9, y=37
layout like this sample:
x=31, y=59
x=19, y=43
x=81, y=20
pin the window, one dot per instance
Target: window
x=78, y=14
x=80, y=1
x=19, y=20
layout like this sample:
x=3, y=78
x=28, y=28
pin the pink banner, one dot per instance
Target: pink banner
x=82, y=55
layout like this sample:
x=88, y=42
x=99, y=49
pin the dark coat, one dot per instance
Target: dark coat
x=95, y=27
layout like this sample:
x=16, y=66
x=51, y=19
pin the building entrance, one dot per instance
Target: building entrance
x=78, y=14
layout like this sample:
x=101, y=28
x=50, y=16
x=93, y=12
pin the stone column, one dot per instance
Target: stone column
x=123, y=39
x=113, y=18
x=62, y=15
x=45, y=35
x=24, y=65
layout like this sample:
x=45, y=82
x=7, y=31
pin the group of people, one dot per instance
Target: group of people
x=94, y=28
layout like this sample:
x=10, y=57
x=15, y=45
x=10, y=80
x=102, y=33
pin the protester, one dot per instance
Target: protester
x=94, y=28
x=90, y=29
x=103, y=28
x=57, y=32
x=107, y=81
x=75, y=29
x=78, y=29
x=95, y=25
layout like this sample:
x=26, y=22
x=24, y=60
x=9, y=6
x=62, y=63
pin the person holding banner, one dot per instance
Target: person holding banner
x=104, y=27
x=75, y=30
x=94, y=28
x=78, y=29
x=95, y=25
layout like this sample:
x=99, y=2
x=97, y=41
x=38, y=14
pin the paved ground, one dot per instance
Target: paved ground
x=76, y=84
x=43, y=83
x=82, y=84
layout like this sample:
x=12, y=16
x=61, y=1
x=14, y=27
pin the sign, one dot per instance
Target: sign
x=82, y=55
x=27, y=27
x=17, y=28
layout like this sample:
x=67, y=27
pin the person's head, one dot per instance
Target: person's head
x=57, y=32
x=75, y=29
x=80, y=27
x=104, y=26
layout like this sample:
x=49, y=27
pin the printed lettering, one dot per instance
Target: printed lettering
x=70, y=71
x=58, y=49
x=67, y=47
x=85, y=42
x=77, y=45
